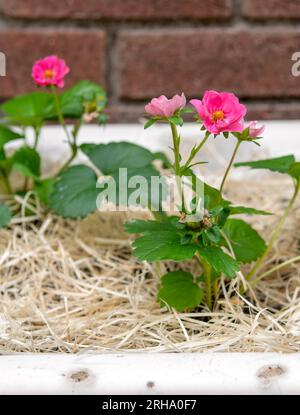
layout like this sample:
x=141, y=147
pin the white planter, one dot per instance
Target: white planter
x=218, y=373
x=151, y=374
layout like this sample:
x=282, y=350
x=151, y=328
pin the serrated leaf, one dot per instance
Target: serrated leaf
x=161, y=240
x=75, y=193
x=279, y=164
x=219, y=261
x=246, y=243
x=29, y=109
x=110, y=158
x=179, y=291
x=150, y=226
x=237, y=210
x=5, y=216
x=27, y=161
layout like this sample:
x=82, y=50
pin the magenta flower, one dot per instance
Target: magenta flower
x=220, y=112
x=254, y=130
x=164, y=107
x=50, y=71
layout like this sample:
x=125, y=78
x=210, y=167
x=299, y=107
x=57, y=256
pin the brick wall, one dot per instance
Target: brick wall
x=142, y=48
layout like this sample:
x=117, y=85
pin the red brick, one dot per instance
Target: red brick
x=271, y=9
x=250, y=63
x=83, y=51
x=119, y=9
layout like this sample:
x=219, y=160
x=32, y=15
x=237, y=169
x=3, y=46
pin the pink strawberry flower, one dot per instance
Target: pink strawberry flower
x=50, y=71
x=164, y=107
x=254, y=130
x=220, y=112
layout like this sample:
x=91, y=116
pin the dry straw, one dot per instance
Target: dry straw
x=74, y=286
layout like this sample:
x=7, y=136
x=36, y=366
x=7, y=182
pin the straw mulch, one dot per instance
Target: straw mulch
x=74, y=286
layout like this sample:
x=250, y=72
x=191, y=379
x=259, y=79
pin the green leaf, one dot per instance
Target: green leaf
x=279, y=164
x=27, y=161
x=150, y=226
x=6, y=135
x=44, y=189
x=110, y=158
x=179, y=291
x=176, y=120
x=161, y=240
x=5, y=216
x=149, y=123
x=30, y=109
x=84, y=93
x=75, y=193
x=214, y=276
x=246, y=243
x=219, y=261
x=237, y=210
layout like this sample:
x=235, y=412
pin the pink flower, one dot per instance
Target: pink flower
x=164, y=107
x=50, y=71
x=220, y=112
x=254, y=130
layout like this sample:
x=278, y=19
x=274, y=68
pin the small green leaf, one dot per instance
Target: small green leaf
x=44, y=189
x=75, y=193
x=176, y=120
x=214, y=234
x=237, y=210
x=246, y=243
x=5, y=216
x=85, y=92
x=27, y=161
x=219, y=261
x=279, y=164
x=150, y=122
x=179, y=291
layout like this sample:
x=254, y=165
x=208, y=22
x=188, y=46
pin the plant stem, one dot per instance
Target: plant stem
x=60, y=114
x=207, y=274
x=230, y=164
x=176, y=142
x=275, y=234
x=277, y=268
x=6, y=183
x=195, y=151
x=36, y=137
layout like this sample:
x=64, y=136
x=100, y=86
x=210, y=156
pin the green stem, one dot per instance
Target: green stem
x=230, y=165
x=207, y=274
x=176, y=143
x=36, y=137
x=195, y=151
x=6, y=183
x=60, y=114
x=277, y=268
x=275, y=234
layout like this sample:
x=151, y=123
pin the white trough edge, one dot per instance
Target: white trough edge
x=139, y=373
x=151, y=374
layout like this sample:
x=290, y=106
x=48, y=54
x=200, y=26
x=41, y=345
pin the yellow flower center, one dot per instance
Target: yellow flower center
x=217, y=115
x=48, y=74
